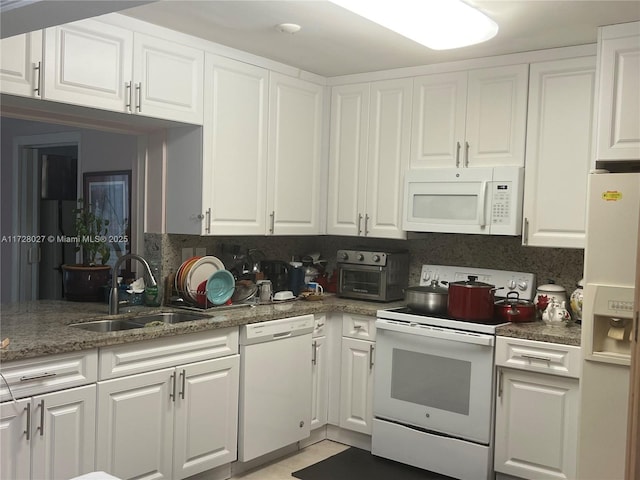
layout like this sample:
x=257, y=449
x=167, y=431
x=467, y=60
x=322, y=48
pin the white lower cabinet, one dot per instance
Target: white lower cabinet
x=536, y=413
x=169, y=423
x=168, y=408
x=356, y=382
x=50, y=436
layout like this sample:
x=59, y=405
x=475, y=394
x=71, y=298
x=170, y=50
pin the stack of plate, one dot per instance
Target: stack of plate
x=197, y=281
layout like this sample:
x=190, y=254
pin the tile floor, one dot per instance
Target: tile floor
x=281, y=469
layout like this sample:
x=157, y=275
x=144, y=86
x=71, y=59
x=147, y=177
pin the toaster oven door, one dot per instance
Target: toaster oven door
x=362, y=282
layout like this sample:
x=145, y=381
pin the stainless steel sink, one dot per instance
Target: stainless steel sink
x=141, y=321
x=107, y=325
x=167, y=317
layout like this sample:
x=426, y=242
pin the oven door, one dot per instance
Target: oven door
x=366, y=282
x=434, y=378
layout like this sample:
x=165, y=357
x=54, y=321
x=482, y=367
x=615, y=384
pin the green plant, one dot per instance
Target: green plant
x=91, y=232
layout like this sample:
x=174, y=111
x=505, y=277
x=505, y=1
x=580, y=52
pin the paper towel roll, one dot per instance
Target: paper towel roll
x=617, y=333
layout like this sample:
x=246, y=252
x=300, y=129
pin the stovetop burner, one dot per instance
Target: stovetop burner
x=409, y=311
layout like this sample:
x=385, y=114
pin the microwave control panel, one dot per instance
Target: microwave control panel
x=501, y=203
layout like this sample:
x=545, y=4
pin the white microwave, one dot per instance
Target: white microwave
x=479, y=200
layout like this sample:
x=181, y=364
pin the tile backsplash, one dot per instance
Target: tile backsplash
x=563, y=266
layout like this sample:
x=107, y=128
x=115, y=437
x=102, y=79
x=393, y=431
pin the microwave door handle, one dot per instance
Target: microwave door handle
x=483, y=205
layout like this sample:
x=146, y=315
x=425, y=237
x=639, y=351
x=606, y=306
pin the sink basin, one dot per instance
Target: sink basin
x=152, y=319
x=107, y=325
x=167, y=317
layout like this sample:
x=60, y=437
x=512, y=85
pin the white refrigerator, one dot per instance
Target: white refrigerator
x=607, y=324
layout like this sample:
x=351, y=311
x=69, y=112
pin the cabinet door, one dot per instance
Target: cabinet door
x=168, y=79
x=438, y=120
x=319, y=382
x=64, y=433
x=20, y=64
x=618, y=132
x=135, y=425
x=536, y=425
x=235, y=147
x=294, y=165
x=89, y=63
x=496, y=116
x=206, y=416
x=559, y=126
x=347, y=159
x=356, y=386
x=15, y=439
x=389, y=141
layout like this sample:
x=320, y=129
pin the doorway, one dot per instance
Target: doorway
x=47, y=192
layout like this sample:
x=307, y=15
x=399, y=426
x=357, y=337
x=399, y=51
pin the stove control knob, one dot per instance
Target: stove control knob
x=523, y=285
x=344, y=256
x=511, y=284
x=376, y=258
x=360, y=256
x=426, y=275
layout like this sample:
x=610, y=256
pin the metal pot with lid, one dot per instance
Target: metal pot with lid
x=471, y=299
x=428, y=298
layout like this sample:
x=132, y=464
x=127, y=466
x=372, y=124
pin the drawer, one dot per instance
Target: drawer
x=145, y=356
x=39, y=375
x=359, y=326
x=544, y=357
x=319, y=325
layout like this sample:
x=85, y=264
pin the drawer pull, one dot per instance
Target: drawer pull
x=357, y=327
x=28, y=378
x=535, y=357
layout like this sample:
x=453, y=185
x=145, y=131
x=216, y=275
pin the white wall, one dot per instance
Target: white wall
x=99, y=151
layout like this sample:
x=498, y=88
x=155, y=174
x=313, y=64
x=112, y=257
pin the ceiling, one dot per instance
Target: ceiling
x=335, y=42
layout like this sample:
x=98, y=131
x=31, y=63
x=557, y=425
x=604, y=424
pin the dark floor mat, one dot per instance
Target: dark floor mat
x=357, y=464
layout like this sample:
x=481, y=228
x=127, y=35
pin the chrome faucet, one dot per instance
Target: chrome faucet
x=113, y=297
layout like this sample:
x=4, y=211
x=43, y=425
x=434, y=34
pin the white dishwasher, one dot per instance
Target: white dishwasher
x=275, y=385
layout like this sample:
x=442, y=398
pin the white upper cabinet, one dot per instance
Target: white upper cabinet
x=235, y=147
x=558, y=158
x=618, y=127
x=100, y=65
x=89, y=63
x=21, y=64
x=369, y=153
x=470, y=119
x=294, y=171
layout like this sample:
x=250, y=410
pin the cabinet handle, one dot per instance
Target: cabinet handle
x=127, y=94
x=172, y=391
x=357, y=326
x=371, y=349
x=28, y=429
x=139, y=97
x=41, y=427
x=359, y=224
x=635, y=328
x=207, y=227
x=28, y=378
x=183, y=376
x=366, y=225
x=458, y=146
x=466, y=154
x=535, y=357
x=272, y=216
x=525, y=234
x=500, y=383
x=38, y=73
x=314, y=352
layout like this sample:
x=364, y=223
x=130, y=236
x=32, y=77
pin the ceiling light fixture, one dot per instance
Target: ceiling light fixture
x=290, y=28
x=437, y=24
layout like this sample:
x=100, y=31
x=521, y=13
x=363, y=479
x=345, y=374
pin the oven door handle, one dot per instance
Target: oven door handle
x=436, y=332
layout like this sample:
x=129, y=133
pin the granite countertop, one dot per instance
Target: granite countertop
x=41, y=328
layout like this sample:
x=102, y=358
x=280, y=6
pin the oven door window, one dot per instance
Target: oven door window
x=365, y=282
x=430, y=380
x=440, y=385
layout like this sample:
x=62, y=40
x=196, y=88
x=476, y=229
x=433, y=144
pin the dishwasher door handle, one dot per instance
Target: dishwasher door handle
x=281, y=335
